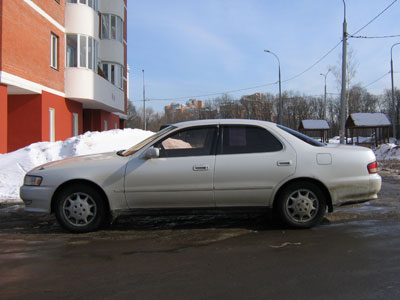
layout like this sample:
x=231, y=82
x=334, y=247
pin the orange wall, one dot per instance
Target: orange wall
x=24, y=120
x=3, y=118
x=26, y=42
x=94, y=120
x=52, y=8
x=29, y=119
x=63, y=116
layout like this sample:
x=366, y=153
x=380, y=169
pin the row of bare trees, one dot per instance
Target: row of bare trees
x=264, y=107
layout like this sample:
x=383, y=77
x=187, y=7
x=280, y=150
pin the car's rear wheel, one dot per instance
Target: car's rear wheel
x=80, y=208
x=301, y=205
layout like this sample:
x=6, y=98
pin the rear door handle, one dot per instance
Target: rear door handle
x=283, y=163
x=200, y=168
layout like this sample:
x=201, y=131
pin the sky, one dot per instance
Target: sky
x=189, y=48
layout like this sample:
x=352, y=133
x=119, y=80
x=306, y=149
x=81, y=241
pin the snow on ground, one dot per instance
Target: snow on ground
x=388, y=152
x=14, y=165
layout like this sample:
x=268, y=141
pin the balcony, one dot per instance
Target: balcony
x=112, y=51
x=92, y=90
x=115, y=7
x=81, y=19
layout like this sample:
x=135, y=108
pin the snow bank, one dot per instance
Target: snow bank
x=388, y=152
x=14, y=165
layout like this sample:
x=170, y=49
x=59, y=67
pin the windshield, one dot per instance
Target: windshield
x=303, y=137
x=147, y=141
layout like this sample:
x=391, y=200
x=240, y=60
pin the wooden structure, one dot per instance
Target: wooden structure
x=377, y=125
x=313, y=126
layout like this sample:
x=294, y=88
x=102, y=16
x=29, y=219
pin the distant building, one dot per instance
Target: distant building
x=190, y=105
x=63, y=69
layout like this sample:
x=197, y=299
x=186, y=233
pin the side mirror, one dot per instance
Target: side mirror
x=151, y=153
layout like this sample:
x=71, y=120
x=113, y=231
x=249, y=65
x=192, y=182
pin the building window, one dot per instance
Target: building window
x=91, y=3
x=82, y=49
x=112, y=27
x=75, y=124
x=52, y=124
x=54, y=51
x=113, y=72
x=105, y=125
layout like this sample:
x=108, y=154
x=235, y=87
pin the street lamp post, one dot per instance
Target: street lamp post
x=280, y=106
x=326, y=74
x=394, y=123
x=343, y=94
x=144, y=103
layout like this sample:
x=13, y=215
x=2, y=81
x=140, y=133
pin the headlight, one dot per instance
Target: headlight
x=32, y=180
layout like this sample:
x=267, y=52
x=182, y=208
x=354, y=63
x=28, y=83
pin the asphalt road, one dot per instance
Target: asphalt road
x=354, y=254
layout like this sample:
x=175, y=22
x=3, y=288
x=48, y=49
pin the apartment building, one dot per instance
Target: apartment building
x=63, y=69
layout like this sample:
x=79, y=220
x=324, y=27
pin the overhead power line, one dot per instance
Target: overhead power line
x=377, y=16
x=295, y=76
x=373, y=37
x=376, y=80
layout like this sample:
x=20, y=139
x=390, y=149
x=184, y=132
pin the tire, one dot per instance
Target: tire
x=80, y=208
x=301, y=205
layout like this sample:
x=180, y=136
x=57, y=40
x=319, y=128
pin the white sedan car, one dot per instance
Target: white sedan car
x=207, y=164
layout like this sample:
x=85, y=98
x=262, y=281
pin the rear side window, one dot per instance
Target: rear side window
x=303, y=137
x=247, y=139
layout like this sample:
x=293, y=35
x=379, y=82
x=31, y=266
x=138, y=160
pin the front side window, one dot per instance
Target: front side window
x=247, y=139
x=147, y=141
x=188, y=142
x=54, y=51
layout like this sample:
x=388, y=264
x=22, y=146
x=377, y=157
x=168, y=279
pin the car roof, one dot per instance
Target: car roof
x=223, y=121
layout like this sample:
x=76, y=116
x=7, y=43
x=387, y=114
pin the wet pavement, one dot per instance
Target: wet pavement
x=354, y=254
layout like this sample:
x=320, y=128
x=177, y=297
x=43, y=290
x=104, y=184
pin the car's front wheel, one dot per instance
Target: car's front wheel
x=80, y=208
x=301, y=205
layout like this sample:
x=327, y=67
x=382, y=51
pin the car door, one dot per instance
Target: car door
x=182, y=175
x=250, y=162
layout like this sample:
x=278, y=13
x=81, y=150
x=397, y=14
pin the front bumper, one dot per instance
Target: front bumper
x=36, y=198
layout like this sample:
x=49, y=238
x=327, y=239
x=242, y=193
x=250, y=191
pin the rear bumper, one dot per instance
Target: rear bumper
x=361, y=190
x=36, y=198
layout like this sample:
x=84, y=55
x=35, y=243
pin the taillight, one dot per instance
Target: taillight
x=372, y=168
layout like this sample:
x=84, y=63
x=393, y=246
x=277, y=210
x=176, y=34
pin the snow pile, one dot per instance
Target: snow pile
x=315, y=124
x=14, y=165
x=370, y=119
x=388, y=152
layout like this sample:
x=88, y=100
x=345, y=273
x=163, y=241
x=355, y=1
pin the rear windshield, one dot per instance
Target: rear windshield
x=303, y=137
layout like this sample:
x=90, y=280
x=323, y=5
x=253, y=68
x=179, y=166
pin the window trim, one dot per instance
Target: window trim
x=95, y=3
x=54, y=53
x=94, y=48
x=52, y=124
x=119, y=28
x=116, y=74
x=221, y=139
x=75, y=124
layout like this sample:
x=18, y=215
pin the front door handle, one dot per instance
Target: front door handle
x=200, y=168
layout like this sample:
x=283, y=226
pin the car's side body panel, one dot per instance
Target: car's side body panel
x=105, y=170
x=170, y=182
x=251, y=179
